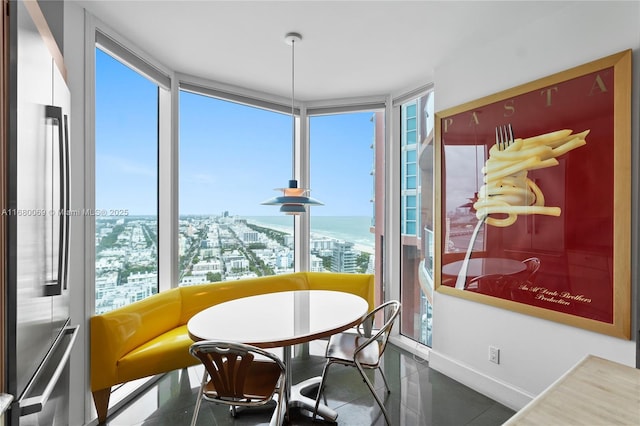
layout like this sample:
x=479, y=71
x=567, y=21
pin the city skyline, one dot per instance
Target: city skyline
x=213, y=248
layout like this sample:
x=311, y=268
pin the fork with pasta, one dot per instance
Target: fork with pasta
x=507, y=190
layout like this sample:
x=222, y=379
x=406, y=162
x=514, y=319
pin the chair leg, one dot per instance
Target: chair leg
x=277, y=419
x=373, y=391
x=321, y=388
x=101, y=401
x=199, y=398
x=285, y=398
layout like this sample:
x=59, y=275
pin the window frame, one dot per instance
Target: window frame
x=394, y=216
x=238, y=96
x=373, y=106
x=100, y=36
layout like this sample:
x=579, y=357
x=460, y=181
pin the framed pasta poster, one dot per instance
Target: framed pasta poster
x=534, y=186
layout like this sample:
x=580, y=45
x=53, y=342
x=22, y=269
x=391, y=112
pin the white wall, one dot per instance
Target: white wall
x=534, y=352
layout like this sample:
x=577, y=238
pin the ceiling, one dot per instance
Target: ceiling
x=349, y=48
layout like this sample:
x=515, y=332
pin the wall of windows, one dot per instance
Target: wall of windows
x=232, y=150
x=210, y=157
x=416, y=216
x=231, y=157
x=231, y=154
x=126, y=184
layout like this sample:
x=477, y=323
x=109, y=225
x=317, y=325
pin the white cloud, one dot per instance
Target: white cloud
x=126, y=166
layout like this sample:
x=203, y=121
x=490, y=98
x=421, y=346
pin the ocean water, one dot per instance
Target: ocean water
x=355, y=229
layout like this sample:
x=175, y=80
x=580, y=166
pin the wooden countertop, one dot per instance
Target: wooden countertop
x=594, y=392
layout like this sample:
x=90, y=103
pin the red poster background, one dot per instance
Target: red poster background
x=575, y=249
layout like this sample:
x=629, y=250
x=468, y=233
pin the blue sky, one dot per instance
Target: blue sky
x=126, y=138
x=231, y=156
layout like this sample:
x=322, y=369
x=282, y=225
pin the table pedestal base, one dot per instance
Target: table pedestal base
x=299, y=400
x=296, y=397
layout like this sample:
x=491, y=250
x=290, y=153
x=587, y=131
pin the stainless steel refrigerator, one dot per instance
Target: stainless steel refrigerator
x=39, y=336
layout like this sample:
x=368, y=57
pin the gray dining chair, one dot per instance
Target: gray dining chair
x=240, y=375
x=362, y=349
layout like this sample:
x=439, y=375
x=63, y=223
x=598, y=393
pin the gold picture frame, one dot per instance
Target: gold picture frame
x=581, y=241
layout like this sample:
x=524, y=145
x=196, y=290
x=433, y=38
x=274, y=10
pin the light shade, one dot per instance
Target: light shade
x=293, y=200
x=292, y=209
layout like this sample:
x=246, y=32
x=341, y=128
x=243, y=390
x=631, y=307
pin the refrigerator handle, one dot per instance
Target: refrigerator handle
x=35, y=404
x=55, y=113
x=65, y=200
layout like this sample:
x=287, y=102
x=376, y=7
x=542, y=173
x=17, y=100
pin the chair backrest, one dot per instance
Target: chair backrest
x=230, y=366
x=494, y=285
x=391, y=309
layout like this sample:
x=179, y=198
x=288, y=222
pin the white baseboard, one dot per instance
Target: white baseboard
x=411, y=346
x=501, y=392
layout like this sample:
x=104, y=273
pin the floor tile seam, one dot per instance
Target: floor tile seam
x=477, y=416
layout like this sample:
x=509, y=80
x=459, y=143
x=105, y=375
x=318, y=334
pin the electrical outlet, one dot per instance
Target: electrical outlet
x=494, y=354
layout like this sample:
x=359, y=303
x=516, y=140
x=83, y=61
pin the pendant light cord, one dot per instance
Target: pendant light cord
x=293, y=118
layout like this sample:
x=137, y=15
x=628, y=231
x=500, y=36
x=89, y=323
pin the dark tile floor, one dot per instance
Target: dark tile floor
x=419, y=396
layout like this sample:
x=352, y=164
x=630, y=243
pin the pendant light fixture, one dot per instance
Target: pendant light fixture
x=293, y=200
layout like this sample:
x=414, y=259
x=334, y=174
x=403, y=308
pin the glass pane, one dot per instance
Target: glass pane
x=126, y=192
x=410, y=138
x=231, y=158
x=411, y=125
x=411, y=182
x=416, y=245
x=342, y=160
x=411, y=227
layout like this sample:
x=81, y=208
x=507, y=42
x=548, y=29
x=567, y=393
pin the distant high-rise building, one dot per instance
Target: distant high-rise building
x=344, y=258
x=316, y=264
x=250, y=237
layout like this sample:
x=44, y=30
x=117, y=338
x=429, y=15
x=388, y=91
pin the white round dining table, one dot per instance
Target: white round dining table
x=282, y=319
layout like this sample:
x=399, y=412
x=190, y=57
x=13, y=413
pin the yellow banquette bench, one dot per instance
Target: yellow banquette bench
x=150, y=336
